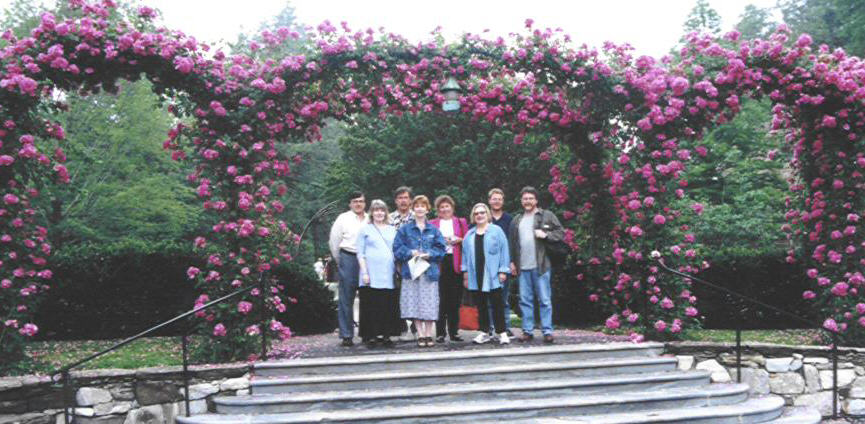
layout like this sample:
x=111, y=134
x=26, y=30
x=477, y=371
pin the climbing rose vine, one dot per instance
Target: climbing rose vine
x=624, y=130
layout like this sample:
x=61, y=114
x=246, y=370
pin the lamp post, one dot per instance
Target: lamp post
x=451, y=90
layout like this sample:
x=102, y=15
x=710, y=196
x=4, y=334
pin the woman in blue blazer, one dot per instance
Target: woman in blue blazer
x=485, y=265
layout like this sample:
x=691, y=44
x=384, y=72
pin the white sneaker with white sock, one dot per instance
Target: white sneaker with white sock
x=482, y=338
x=504, y=339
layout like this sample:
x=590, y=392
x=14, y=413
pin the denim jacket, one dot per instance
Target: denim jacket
x=409, y=237
x=496, y=258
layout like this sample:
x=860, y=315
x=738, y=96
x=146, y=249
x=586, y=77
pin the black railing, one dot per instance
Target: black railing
x=65, y=373
x=833, y=334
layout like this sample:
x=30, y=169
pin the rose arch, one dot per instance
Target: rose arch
x=625, y=129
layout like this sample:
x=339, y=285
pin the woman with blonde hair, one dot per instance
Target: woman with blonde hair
x=485, y=266
x=376, y=285
x=419, y=297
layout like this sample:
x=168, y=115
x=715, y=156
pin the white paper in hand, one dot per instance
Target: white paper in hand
x=417, y=266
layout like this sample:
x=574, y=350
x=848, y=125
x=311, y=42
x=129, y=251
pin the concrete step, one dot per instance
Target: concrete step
x=799, y=415
x=511, y=409
x=754, y=410
x=421, y=361
x=455, y=393
x=495, y=372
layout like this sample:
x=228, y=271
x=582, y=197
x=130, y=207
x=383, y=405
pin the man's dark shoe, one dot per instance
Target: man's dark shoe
x=526, y=337
x=510, y=333
x=440, y=339
x=347, y=342
x=387, y=342
x=548, y=339
x=456, y=339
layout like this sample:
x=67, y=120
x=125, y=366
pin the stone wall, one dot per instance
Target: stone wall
x=142, y=396
x=800, y=374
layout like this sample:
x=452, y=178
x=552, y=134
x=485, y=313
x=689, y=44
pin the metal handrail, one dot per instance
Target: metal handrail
x=741, y=296
x=65, y=372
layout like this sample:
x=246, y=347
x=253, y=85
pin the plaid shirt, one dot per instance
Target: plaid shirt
x=398, y=221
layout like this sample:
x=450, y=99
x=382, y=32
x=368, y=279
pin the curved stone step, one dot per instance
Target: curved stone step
x=406, y=361
x=477, y=373
x=545, y=388
x=763, y=409
x=799, y=415
x=519, y=409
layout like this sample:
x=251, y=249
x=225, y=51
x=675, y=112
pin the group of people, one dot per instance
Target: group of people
x=405, y=266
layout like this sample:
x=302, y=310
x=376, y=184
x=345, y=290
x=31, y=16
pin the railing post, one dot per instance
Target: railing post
x=834, y=375
x=262, y=307
x=738, y=351
x=185, y=347
x=67, y=418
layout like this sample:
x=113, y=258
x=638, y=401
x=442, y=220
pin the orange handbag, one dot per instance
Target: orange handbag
x=468, y=313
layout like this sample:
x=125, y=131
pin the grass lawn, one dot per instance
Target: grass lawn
x=147, y=352
x=788, y=337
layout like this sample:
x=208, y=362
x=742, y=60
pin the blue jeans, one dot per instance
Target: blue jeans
x=349, y=272
x=506, y=295
x=531, y=285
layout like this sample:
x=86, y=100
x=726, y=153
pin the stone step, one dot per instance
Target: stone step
x=799, y=415
x=511, y=409
x=764, y=409
x=496, y=372
x=421, y=361
x=454, y=393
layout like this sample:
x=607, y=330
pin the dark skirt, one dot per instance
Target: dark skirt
x=377, y=308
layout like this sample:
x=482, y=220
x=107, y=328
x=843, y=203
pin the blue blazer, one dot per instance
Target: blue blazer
x=497, y=259
x=409, y=237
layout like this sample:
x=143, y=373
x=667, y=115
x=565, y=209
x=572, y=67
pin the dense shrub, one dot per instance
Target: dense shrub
x=311, y=308
x=117, y=290
x=758, y=274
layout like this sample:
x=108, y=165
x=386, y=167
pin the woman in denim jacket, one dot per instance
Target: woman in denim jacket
x=485, y=266
x=419, y=298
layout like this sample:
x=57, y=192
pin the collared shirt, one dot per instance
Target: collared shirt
x=398, y=220
x=343, y=233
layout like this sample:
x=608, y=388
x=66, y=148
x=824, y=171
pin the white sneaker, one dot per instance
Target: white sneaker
x=482, y=338
x=504, y=339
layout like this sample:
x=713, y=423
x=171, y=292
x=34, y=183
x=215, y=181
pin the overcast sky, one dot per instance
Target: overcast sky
x=651, y=26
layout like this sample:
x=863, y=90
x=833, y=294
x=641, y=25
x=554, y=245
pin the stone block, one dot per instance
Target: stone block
x=195, y=407
x=105, y=419
x=778, y=364
x=845, y=378
x=51, y=399
x=685, y=362
x=152, y=414
x=121, y=407
x=812, y=378
x=757, y=379
x=122, y=392
x=150, y=392
x=85, y=412
x=719, y=373
x=234, y=384
x=821, y=401
x=199, y=391
x=89, y=396
x=854, y=406
x=787, y=383
x=13, y=406
x=814, y=360
x=244, y=392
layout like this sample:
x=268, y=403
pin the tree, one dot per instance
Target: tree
x=437, y=154
x=755, y=22
x=837, y=23
x=703, y=18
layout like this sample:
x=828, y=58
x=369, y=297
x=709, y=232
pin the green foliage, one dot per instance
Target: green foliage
x=838, y=23
x=755, y=22
x=310, y=308
x=703, y=18
x=437, y=154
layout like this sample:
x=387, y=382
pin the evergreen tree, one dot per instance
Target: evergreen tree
x=703, y=18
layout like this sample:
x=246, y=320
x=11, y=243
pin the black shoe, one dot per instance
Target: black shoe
x=370, y=344
x=347, y=342
x=440, y=339
x=548, y=339
x=510, y=333
x=456, y=339
x=387, y=342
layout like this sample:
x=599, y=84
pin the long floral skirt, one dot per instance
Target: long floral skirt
x=419, y=299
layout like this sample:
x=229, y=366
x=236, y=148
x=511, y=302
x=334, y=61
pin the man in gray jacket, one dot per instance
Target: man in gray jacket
x=527, y=234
